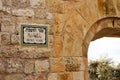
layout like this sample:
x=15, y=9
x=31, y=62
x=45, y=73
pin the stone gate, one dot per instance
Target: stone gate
x=71, y=25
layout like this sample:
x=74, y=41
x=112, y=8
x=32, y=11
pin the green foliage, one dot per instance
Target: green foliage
x=103, y=69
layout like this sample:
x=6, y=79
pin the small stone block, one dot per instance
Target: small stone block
x=15, y=39
x=42, y=65
x=52, y=76
x=5, y=38
x=29, y=66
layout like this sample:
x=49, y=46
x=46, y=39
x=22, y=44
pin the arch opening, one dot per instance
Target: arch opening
x=102, y=28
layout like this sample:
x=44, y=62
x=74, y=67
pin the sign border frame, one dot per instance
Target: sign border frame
x=34, y=26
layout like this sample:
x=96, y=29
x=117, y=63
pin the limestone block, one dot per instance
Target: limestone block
x=117, y=23
x=6, y=2
x=79, y=30
x=68, y=7
x=10, y=51
x=78, y=75
x=15, y=77
x=37, y=3
x=40, y=13
x=1, y=77
x=23, y=12
x=65, y=76
x=15, y=39
x=55, y=6
x=110, y=8
x=42, y=65
x=2, y=66
x=6, y=10
x=52, y=76
x=72, y=0
x=59, y=21
x=20, y=3
x=5, y=38
x=73, y=64
x=15, y=65
x=1, y=5
x=57, y=64
x=8, y=26
x=0, y=38
x=49, y=15
x=51, y=39
x=77, y=48
x=29, y=77
x=68, y=45
x=29, y=66
x=41, y=76
x=58, y=45
x=118, y=6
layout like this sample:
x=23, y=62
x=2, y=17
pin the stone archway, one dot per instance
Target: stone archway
x=106, y=27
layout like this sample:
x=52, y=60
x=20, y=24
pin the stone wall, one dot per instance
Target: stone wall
x=69, y=33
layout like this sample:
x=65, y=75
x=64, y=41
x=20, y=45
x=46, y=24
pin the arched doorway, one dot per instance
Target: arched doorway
x=107, y=27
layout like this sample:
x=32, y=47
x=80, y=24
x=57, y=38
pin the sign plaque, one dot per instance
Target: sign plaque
x=34, y=35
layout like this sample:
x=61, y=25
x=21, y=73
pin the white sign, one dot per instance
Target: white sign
x=34, y=35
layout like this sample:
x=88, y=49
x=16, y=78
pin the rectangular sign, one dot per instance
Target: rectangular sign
x=34, y=35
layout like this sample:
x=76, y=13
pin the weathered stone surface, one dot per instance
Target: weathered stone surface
x=8, y=26
x=29, y=66
x=118, y=6
x=68, y=45
x=10, y=51
x=29, y=77
x=37, y=3
x=106, y=7
x=79, y=30
x=77, y=49
x=89, y=37
x=58, y=45
x=68, y=37
x=57, y=64
x=110, y=8
x=6, y=2
x=1, y=77
x=19, y=3
x=40, y=13
x=55, y=6
x=101, y=7
x=41, y=76
x=65, y=76
x=42, y=65
x=59, y=22
x=5, y=38
x=93, y=12
x=15, y=77
x=53, y=76
x=2, y=66
x=117, y=23
x=68, y=7
x=49, y=15
x=15, y=39
x=6, y=10
x=33, y=54
x=23, y=12
x=73, y=64
x=78, y=75
x=1, y=5
x=72, y=0
x=0, y=39
x=15, y=65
